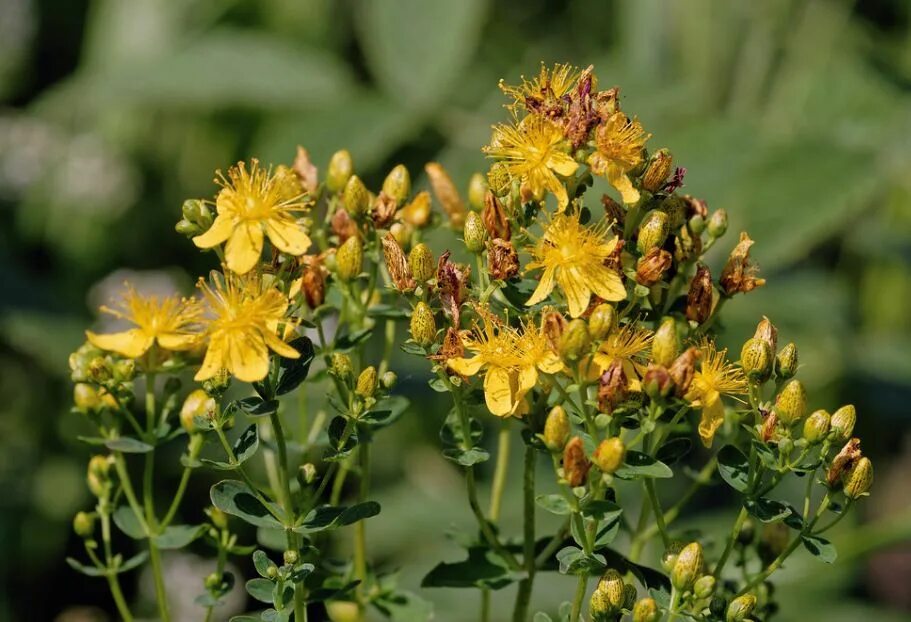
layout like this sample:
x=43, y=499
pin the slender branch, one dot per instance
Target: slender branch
x=523, y=597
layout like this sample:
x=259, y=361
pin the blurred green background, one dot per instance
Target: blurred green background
x=794, y=115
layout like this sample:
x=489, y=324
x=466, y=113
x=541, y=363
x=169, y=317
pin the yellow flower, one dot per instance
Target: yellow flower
x=619, y=142
x=244, y=327
x=573, y=255
x=253, y=203
x=715, y=377
x=531, y=153
x=171, y=321
x=629, y=344
x=545, y=89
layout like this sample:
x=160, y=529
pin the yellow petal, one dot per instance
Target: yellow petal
x=562, y=164
x=280, y=347
x=550, y=363
x=177, y=341
x=528, y=378
x=219, y=232
x=605, y=283
x=466, y=367
x=544, y=288
x=712, y=418
x=618, y=179
x=287, y=236
x=248, y=358
x=559, y=190
x=244, y=247
x=575, y=290
x=497, y=392
x=131, y=343
x=632, y=377
x=215, y=359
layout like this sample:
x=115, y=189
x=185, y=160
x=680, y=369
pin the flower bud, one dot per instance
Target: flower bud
x=477, y=188
x=629, y=596
x=98, y=474
x=84, y=524
x=704, y=586
x=575, y=464
x=601, y=321
x=307, y=473
x=816, y=427
x=652, y=231
x=85, y=397
x=842, y=422
x=791, y=403
x=423, y=326
x=396, y=264
x=756, y=359
x=612, y=387
x=699, y=300
x=575, y=340
x=100, y=369
x=389, y=379
x=355, y=197
x=696, y=224
x=688, y=567
x=766, y=331
x=657, y=381
x=186, y=228
x=740, y=608
x=366, y=382
x=340, y=365
x=646, y=610
x=291, y=557
x=659, y=167
x=843, y=461
x=858, y=479
x=197, y=404
x=398, y=184
x=340, y=170
x=417, y=212
x=665, y=345
x=343, y=611
x=676, y=208
x=219, y=519
x=556, y=429
x=420, y=259
x=499, y=179
x=192, y=210
x=446, y=193
x=611, y=588
x=718, y=223
x=683, y=369
x=475, y=234
x=669, y=557
x=402, y=233
x=609, y=455
x=217, y=384
x=502, y=259
x=349, y=258
x=786, y=362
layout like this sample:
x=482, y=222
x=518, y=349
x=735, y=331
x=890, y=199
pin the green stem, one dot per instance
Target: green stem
x=219, y=570
x=149, y=503
x=523, y=597
x=499, y=474
x=675, y=602
x=360, y=531
x=656, y=507
x=119, y=600
x=732, y=538
x=192, y=452
x=160, y=592
x=581, y=588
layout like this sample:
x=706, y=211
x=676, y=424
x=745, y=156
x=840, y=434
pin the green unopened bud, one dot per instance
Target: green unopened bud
x=858, y=479
x=718, y=223
x=84, y=524
x=366, y=382
x=601, y=321
x=272, y=572
x=609, y=455
x=196, y=212
x=187, y=229
x=575, y=340
x=307, y=473
x=611, y=593
x=423, y=326
x=688, y=567
x=499, y=179
x=646, y=610
x=842, y=422
x=402, y=233
x=217, y=384
x=791, y=403
x=355, y=196
x=629, y=596
x=665, y=345
x=389, y=379
x=340, y=170
x=100, y=369
x=676, y=208
x=212, y=581
x=477, y=190
x=786, y=362
x=349, y=259
x=98, y=474
x=475, y=233
x=398, y=184
x=740, y=608
x=669, y=557
x=340, y=365
x=704, y=586
x=652, y=231
x=421, y=262
x=197, y=404
x=85, y=397
x=756, y=359
x=124, y=370
x=218, y=518
x=659, y=167
x=816, y=427
x=556, y=429
x=697, y=224
x=291, y=557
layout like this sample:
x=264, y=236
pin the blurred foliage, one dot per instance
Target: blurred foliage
x=794, y=115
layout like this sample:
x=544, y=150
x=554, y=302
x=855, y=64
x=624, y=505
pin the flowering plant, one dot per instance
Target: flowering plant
x=585, y=326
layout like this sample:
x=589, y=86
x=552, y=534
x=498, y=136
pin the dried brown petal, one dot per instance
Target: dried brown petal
x=612, y=387
x=502, y=259
x=446, y=193
x=739, y=273
x=453, y=346
x=843, y=461
x=343, y=225
x=699, y=300
x=494, y=218
x=683, y=369
x=383, y=210
x=769, y=423
x=652, y=266
x=613, y=210
x=575, y=463
x=695, y=207
x=305, y=170
x=767, y=332
x=554, y=325
x=397, y=264
x=452, y=284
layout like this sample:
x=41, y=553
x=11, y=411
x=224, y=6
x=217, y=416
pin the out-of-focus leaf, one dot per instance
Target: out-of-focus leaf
x=481, y=569
x=178, y=536
x=820, y=548
x=236, y=498
x=734, y=468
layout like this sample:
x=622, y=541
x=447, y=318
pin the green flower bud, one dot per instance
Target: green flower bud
x=676, y=209
x=349, y=259
x=556, y=429
x=340, y=365
x=212, y=581
x=688, y=567
x=665, y=345
x=124, y=370
x=187, y=229
x=219, y=519
x=355, y=196
x=197, y=404
x=574, y=340
x=697, y=224
x=704, y=586
x=816, y=427
x=659, y=167
x=475, y=233
x=100, y=369
x=629, y=596
x=398, y=184
x=609, y=455
x=366, y=382
x=740, y=608
x=423, y=326
x=601, y=321
x=646, y=610
x=477, y=189
x=291, y=557
x=756, y=359
x=98, y=474
x=791, y=403
x=389, y=379
x=402, y=233
x=842, y=423
x=85, y=397
x=669, y=557
x=340, y=170
x=858, y=479
x=718, y=223
x=499, y=179
x=786, y=362
x=84, y=524
x=652, y=231
x=611, y=591
x=307, y=473
x=421, y=262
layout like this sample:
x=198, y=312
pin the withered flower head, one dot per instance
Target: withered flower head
x=545, y=94
x=699, y=300
x=502, y=259
x=769, y=423
x=686, y=245
x=312, y=281
x=453, y=346
x=417, y=213
x=676, y=180
x=452, y=284
x=305, y=170
x=843, y=461
x=657, y=380
x=767, y=332
x=613, y=210
x=343, y=225
x=695, y=207
x=612, y=387
x=553, y=326
x=494, y=218
x=397, y=264
x=581, y=117
x=575, y=463
x=382, y=212
x=739, y=273
x=447, y=194
x=652, y=266
x=683, y=369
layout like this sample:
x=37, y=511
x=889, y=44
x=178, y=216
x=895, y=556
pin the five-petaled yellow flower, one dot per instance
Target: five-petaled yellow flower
x=244, y=327
x=715, y=377
x=547, y=88
x=572, y=256
x=629, y=344
x=171, y=321
x=619, y=141
x=252, y=203
x=533, y=152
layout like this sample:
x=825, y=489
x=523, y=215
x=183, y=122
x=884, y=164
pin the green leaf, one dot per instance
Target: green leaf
x=554, y=503
x=292, y=372
x=387, y=312
x=329, y=517
x=336, y=431
x=639, y=464
x=244, y=448
x=401, y=606
x=262, y=563
x=134, y=562
x=542, y=617
x=178, y=536
x=260, y=589
x=256, y=406
x=767, y=510
x=89, y=571
x=819, y=548
x=734, y=468
x=126, y=521
x=674, y=450
x=574, y=561
x=601, y=509
x=482, y=569
x=386, y=411
x=236, y=498
x=348, y=341
x=128, y=445
x=466, y=457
